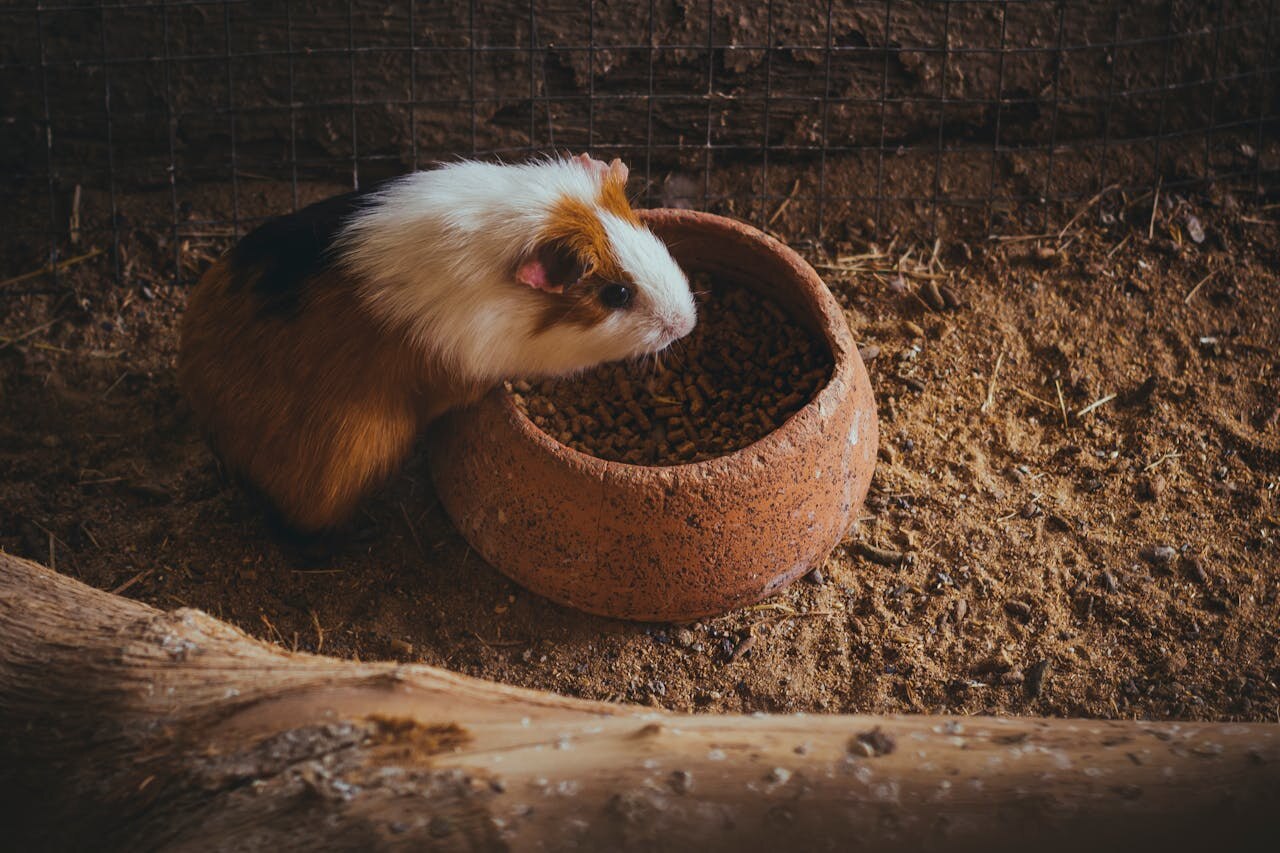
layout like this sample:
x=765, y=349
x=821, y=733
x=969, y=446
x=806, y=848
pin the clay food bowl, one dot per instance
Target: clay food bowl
x=683, y=541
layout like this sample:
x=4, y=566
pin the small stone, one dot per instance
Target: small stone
x=1013, y=676
x=681, y=781
x=882, y=556
x=1195, y=567
x=1018, y=610
x=1194, y=229
x=747, y=644
x=1030, y=510
x=1158, y=555
x=1036, y=677
x=1151, y=488
x=816, y=577
x=869, y=353
x=684, y=638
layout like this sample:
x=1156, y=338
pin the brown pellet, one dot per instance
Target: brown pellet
x=638, y=413
x=774, y=311
x=791, y=401
x=745, y=369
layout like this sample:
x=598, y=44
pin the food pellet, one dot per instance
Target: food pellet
x=746, y=368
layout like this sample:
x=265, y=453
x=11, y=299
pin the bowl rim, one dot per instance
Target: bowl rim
x=827, y=311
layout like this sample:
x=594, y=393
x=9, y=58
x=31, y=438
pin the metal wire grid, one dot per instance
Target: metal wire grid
x=76, y=76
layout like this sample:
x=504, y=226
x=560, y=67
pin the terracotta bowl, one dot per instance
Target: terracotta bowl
x=686, y=541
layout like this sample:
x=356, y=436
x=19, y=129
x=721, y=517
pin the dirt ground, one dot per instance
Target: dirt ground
x=1079, y=474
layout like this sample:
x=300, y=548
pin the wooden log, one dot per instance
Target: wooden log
x=126, y=728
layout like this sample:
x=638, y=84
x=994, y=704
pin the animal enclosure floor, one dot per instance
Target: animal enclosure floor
x=1076, y=511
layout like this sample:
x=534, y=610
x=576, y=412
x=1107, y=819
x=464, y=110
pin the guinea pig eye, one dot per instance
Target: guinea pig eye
x=615, y=295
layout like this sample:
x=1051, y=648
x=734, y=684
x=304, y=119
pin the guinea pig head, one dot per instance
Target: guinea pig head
x=501, y=270
x=604, y=286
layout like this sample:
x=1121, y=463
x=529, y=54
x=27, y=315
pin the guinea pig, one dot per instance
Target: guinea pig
x=318, y=348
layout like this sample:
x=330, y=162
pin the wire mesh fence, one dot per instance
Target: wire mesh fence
x=188, y=120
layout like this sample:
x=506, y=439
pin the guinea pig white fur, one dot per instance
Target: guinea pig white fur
x=321, y=345
x=467, y=223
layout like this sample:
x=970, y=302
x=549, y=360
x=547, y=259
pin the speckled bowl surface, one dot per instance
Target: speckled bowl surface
x=686, y=541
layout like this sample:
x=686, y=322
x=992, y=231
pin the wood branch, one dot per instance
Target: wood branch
x=125, y=728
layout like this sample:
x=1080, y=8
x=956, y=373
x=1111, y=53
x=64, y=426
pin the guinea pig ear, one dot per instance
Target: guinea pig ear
x=614, y=171
x=598, y=169
x=552, y=267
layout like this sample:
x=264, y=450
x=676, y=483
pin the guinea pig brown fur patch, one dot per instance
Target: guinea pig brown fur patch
x=578, y=227
x=240, y=369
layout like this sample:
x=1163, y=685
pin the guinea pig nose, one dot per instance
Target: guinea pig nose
x=683, y=325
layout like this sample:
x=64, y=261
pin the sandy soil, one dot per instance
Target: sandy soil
x=1079, y=475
